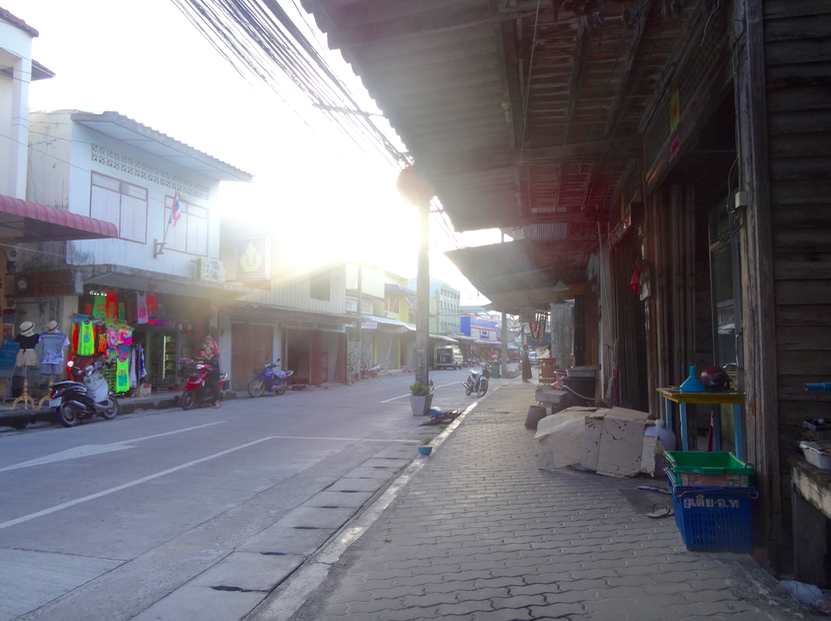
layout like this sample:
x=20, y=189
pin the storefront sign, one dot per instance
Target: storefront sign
x=254, y=258
x=211, y=269
x=369, y=325
x=41, y=284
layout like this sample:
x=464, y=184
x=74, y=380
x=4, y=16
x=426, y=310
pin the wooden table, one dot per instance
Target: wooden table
x=732, y=397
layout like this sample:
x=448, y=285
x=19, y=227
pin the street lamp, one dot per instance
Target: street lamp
x=418, y=193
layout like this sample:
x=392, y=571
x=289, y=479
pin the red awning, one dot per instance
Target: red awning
x=23, y=221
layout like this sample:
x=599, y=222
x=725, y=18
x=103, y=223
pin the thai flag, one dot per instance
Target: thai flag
x=409, y=303
x=175, y=212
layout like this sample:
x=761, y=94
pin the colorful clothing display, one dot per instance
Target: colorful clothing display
x=141, y=308
x=86, y=339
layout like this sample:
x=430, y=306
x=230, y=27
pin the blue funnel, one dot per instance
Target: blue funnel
x=692, y=384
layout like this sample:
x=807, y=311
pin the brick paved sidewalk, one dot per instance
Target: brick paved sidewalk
x=481, y=534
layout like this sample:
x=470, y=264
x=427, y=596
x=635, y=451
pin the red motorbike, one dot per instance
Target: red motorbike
x=196, y=392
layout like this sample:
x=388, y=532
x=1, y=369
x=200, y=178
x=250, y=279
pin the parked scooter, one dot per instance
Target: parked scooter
x=272, y=379
x=477, y=381
x=368, y=372
x=196, y=392
x=83, y=396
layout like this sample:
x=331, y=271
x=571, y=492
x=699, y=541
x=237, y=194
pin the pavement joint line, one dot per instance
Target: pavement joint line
x=293, y=593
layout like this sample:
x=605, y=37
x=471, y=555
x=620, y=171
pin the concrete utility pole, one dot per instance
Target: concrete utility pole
x=418, y=193
x=422, y=340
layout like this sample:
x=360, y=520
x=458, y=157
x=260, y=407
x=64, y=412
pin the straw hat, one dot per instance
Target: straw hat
x=27, y=328
x=52, y=325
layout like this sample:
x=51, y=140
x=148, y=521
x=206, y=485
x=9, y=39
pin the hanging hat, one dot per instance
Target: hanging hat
x=52, y=325
x=27, y=328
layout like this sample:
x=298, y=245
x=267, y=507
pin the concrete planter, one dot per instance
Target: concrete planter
x=421, y=405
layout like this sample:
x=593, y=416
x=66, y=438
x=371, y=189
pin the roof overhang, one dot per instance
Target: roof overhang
x=144, y=280
x=24, y=221
x=510, y=276
x=159, y=145
x=390, y=325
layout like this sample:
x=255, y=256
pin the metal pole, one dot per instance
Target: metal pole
x=423, y=296
x=360, y=323
x=504, y=344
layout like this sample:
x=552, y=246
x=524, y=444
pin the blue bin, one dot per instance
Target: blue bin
x=714, y=519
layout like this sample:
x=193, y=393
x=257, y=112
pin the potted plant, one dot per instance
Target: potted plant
x=425, y=447
x=421, y=396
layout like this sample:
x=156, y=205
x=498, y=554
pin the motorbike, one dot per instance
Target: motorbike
x=477, y=381
x=272, y=379
x=367, y=372
x=83, y=396
x=196, y=392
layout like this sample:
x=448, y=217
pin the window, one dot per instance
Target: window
x=121, y=203
x=190, y=233
x=320, y=287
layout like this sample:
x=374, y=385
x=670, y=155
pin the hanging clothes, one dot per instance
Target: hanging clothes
x=152, y=315
x=51, y=353
x=132, y=372
x=141, y=308
x=122, y=377
x=132, y=308
x=99, y=306
x=111, y=304
x=86, y=339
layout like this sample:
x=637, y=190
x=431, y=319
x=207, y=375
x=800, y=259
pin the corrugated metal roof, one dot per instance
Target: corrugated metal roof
x=516, y=118
x=160, y=145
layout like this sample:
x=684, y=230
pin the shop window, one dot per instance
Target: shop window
x=190, y=234
x=121, y=203
x=321, y=286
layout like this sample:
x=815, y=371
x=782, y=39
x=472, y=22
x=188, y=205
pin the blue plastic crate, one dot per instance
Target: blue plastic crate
x=714, y=519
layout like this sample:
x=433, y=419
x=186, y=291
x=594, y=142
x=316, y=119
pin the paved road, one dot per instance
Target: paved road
x=108, y=519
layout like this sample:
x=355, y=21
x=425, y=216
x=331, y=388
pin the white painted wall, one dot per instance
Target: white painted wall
x=62, y=171
x=15, y=55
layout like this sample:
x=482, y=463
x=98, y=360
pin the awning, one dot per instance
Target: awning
x=442, y=337
x=393, y=287
x=510, y=276
x=389, y=325
x=24, y=221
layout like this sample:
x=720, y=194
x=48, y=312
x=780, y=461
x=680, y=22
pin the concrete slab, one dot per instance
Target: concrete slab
x=369, y=472
x=338, y=499
x=316, y=517
x=249, y=571
x=191, y=603
x=286, y=540
x=31, y=579
x=356, y=485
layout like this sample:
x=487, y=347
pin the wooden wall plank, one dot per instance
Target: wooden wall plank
x=805, y=240
x=786, y=193
x=801, y=168
x=801, y=145
x=776, y=9
x=799, y=123
x=797, y=363
x=804, y=315
x=813, y=267
x=790, y=52
x=804, y=216
x=798, y=28
x=802, y=292
x=799, y=98
x=808, y=339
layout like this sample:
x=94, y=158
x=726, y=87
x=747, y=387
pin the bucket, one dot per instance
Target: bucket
x=581, y=385
x=535, y=414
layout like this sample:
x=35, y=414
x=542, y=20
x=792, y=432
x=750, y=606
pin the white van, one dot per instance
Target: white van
x=449, y=357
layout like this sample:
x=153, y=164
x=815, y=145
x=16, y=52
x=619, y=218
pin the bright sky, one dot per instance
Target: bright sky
x=151, y=65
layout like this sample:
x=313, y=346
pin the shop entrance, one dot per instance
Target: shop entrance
x=252, y=346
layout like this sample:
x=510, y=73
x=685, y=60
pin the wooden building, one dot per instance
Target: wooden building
x=668, y=160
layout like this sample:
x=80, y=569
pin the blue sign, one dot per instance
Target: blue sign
x=8, y=355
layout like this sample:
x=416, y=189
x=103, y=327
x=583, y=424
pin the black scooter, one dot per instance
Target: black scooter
x=477, y=381
x=84, y=396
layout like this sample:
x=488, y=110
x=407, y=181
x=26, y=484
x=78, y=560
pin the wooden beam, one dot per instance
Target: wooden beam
x=624, y=86
x=460, y=162
x=578, y=72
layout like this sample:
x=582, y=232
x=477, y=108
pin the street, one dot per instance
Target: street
x=108, y=518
